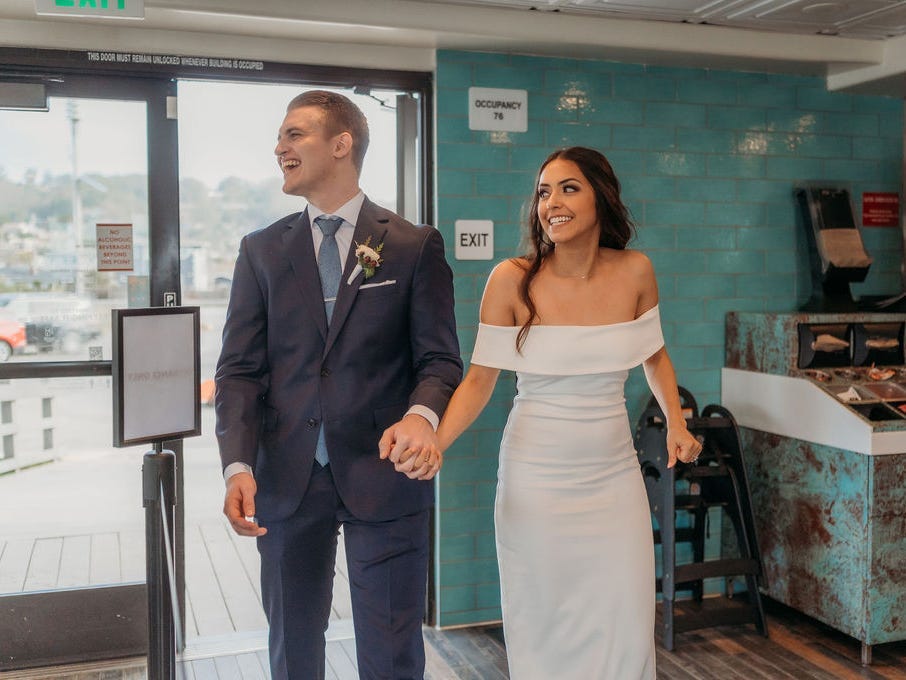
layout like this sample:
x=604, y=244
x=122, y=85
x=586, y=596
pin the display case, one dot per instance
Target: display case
x=820, y=399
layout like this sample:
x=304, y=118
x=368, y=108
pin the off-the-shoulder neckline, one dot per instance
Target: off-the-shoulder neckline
x=598, y=325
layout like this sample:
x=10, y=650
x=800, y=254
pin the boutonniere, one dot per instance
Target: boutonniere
x=369, y=258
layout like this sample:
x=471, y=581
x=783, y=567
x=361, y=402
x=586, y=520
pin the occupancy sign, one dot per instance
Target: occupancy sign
x=498, y=110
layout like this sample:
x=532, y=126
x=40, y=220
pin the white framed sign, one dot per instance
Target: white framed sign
x=498, y=110
x=156, y=374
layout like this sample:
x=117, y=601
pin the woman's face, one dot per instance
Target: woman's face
x=566, y=202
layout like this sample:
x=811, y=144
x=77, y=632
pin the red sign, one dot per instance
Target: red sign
x=880, y=209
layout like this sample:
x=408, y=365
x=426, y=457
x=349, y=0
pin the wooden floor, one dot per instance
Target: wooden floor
x=223, y=593
x=226, y=638
x=798, y=648
x=226, y=630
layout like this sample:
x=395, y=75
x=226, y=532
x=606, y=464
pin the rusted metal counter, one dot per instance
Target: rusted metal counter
x=824, y=430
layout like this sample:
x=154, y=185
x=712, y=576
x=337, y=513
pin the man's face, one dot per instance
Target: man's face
x=305, y=151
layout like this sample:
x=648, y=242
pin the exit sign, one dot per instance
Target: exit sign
x=124, y=9
x=474, y=239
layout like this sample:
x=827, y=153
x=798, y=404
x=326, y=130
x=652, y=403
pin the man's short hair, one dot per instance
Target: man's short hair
x=342, y=115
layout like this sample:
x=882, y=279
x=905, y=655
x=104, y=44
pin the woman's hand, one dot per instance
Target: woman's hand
x=681, y=445
x=411, y=445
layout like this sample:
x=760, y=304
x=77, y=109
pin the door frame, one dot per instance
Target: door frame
x=18, y=63
x=34, y=631
x=38, y=636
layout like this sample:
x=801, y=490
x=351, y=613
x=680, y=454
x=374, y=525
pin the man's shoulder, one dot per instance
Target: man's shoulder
x=277, y=227
x=373, y=211
x=376, y=213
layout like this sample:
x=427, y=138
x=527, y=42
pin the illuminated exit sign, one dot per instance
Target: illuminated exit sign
x=123, y=9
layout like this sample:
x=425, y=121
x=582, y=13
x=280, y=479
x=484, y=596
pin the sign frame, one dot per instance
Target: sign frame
x=151, y=365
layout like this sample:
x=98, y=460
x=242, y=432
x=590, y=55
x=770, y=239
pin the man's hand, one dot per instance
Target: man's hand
x=411, y=446
x=239, y=504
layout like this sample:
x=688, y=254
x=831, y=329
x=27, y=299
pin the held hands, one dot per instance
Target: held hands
x=681, y=445
x=239, y=505
x=411, y=446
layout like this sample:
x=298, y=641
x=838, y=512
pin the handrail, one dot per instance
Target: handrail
x=54, y=369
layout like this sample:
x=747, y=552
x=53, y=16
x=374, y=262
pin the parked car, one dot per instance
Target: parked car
x=12, y=337
x=54, y=321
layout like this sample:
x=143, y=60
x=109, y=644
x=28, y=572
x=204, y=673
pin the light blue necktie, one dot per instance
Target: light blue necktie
x=329, y=265
x=330, y=269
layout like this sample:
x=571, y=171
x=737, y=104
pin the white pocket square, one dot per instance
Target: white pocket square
x=377, y=285
x=355, y=273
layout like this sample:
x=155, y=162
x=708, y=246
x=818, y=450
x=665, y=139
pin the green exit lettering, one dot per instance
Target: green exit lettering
x=120, y=4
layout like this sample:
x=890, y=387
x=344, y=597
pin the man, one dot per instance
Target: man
x=318, y=371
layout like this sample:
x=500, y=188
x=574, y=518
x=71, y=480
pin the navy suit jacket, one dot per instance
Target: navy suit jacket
x=282, y=372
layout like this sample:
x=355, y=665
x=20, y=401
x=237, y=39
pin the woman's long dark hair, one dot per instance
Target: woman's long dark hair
x=616, y=227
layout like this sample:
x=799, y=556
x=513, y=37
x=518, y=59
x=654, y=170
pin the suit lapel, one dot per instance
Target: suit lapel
x=368, y=224
x=300, y=251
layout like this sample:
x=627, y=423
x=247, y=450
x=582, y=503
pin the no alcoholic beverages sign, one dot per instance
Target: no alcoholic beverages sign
x=114, y=247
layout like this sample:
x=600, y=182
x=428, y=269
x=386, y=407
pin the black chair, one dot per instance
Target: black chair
x=718, y=479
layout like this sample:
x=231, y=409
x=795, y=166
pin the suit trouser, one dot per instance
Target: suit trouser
x=387, y=564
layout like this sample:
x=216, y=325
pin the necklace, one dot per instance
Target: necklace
x=576, y=276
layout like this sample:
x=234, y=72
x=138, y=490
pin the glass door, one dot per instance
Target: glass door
x=230, y=185
x=102, y=162
x=85, y=226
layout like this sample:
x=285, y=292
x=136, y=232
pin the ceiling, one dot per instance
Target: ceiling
x=858, y=46
x=866, y=19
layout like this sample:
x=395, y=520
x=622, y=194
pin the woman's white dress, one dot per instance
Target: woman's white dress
x=574, y=535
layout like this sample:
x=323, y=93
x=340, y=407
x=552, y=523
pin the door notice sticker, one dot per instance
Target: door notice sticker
x=114, y=243
x=498, y=110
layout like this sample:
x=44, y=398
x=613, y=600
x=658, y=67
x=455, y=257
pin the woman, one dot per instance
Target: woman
x=574, y=538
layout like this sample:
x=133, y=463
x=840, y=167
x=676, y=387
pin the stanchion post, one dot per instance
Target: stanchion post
x=158, y=486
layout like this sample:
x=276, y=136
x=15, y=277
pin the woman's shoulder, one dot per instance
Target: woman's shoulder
x=513, y=267
x=501, y=294
x=509, y=273
x=632, y=264
x=632, y=259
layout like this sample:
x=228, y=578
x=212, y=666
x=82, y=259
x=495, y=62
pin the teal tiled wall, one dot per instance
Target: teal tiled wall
x=708, y=161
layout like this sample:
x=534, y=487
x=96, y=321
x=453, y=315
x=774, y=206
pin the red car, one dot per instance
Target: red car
x=12, y=337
